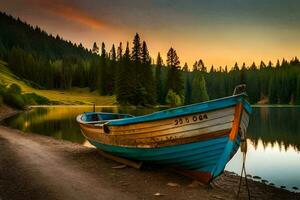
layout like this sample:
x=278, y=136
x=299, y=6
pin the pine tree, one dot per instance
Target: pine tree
x=236, y=67
x=120, y=51
x=201, y=66
x=199, y=92
x=158, y=80
x=212, y=69
x=146, y=77
x=262, y=65
x=277, y=64
x=127, y=53
x=136, y=49
x=139, y=91
x=124, y=84
x=95, y=48
x=145, y=57
x=112, y=54
x=270, y=64
x=284, y=62
x=185, y=67
x=195, y=66
x=174, y=81
x=112, y=71
x=294, y=61
x=253, y=66
x=103, y=78
x=220, y=69
x=103, y=51
x=244, y=67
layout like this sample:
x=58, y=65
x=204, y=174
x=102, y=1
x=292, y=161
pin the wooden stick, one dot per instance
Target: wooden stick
x=125, y=161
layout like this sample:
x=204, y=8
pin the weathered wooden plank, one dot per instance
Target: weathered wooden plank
x=156, y=141
x=168, y=123
x=131, y=163
x=174, y=129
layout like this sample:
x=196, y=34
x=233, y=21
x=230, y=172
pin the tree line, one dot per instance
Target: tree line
x=128, y=71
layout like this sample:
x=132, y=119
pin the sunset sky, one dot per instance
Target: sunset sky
x=221, y=32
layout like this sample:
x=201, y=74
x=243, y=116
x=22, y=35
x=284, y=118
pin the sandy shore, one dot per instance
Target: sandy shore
x=38, y=167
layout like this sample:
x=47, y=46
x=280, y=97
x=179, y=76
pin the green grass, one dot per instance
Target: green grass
x=72, y=96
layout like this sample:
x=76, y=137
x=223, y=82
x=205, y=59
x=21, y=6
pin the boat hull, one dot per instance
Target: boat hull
x=200, y=143
x=199, y=158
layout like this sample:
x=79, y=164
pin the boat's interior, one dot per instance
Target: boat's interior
x=100, y=116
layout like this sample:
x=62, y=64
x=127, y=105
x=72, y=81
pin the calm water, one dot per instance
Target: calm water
x=273, y=144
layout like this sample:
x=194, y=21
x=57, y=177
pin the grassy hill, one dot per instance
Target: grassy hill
x=71, y=96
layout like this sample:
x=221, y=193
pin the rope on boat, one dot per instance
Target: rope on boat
x=243, y=172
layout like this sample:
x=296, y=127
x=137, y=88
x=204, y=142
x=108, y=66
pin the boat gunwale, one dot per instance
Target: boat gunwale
x=182, y=125
x=100, y=123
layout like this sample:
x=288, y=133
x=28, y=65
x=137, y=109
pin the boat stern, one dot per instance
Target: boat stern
x=237, y=133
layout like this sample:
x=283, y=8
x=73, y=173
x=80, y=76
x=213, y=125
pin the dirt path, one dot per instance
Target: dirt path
x=47, y=172
x=39, y=167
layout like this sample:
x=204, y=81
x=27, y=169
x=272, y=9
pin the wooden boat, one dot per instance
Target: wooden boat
x=200, y=138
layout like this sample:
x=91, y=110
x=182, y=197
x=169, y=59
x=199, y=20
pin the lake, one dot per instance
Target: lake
x=273, y=137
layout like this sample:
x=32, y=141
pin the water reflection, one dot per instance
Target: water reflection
x=271, y=163
x=273, y=147
x=275, y=125
x=59, y=121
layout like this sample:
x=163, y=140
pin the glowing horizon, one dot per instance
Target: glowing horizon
x=220, y=33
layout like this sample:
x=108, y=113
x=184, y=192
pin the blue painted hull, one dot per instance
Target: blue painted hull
x=209, y=156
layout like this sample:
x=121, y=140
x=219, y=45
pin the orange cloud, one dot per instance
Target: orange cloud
x=79, y=16
x=70, y=12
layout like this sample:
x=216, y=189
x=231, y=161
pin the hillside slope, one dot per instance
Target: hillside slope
x=72, y=96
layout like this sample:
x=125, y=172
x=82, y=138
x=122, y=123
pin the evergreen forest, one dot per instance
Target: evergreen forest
x=127, y=71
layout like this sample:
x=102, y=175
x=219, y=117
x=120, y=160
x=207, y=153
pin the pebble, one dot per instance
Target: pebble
x=173, y=184
x=158, y=194
x=295, y=188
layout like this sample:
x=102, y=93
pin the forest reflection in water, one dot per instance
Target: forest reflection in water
x=60, y=121
x=276, y=126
